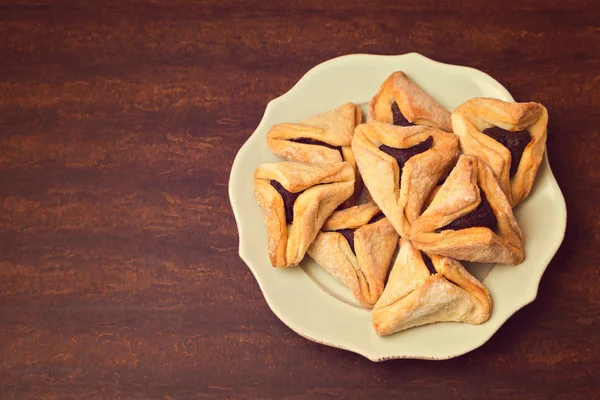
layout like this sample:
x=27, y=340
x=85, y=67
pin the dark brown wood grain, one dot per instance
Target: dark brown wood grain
x=119, y=121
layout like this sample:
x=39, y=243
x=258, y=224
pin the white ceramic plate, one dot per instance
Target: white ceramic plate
x=319, y=308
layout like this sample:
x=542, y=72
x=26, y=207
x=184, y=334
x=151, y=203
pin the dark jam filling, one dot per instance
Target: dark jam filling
x=318, y=143
x=483, y=215
x=399, y=118
x=376, y=218
x=403, y=155
x=428, y=263
x=349, y=232
x=349, y=235
x=289, y=199
x=515, y=142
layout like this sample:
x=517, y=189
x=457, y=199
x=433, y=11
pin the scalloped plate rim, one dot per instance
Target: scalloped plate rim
x=271, y=303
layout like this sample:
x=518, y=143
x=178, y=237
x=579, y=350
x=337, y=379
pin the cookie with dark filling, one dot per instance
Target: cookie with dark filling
x=323, y=139
x=400, y=101
x=509, y=137
x=424, y=289
x=470, y=218
x=356, y=246
x=295, y=200
x=400, y=166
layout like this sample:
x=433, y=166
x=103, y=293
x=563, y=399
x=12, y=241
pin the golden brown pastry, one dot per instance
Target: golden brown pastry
x=470, y=218
x=401, y=165
x=424, y=289
x=356, y=246
x=402, y=102
x=322, y=139
x=317, y=140
x=295, y=200
x=509, y=137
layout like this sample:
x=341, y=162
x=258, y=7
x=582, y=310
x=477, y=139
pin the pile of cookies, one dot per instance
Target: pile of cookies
x=442, y=186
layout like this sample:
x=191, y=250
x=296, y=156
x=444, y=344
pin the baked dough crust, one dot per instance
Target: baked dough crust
x=414, y=296
x=334, y=127
x=402, y=201
x=458, y=196
x=324, y=188
x=472, y=117
x=363, y=271
x=417, y=106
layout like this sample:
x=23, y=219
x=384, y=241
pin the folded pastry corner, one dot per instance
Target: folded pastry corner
x=322, y=139
x=470, y=218
x=424, y=289
x=509, y=137
x=400, y=101
x=401, y=165
x=295, y=200
x=356, y=246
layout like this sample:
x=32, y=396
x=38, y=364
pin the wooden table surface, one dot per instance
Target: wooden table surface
x=119, y=270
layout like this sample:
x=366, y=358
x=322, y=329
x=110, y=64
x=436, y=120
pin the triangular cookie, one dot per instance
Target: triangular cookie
x=509, y=137
x=423, y=290
x=295, y=200
x=470, y=218
x=356, y=246
x=323, y=139
x=401, y=165
x=400, y=101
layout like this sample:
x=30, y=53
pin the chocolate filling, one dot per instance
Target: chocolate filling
x=318, y=143
x=348, y=233
x=399, y=118
x=403, y=155
x=376, y=218
x=515, y=142
x=483, y=215
x=288, y=200
x=428, y=263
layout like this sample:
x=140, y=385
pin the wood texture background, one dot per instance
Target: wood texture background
x=119, y=121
